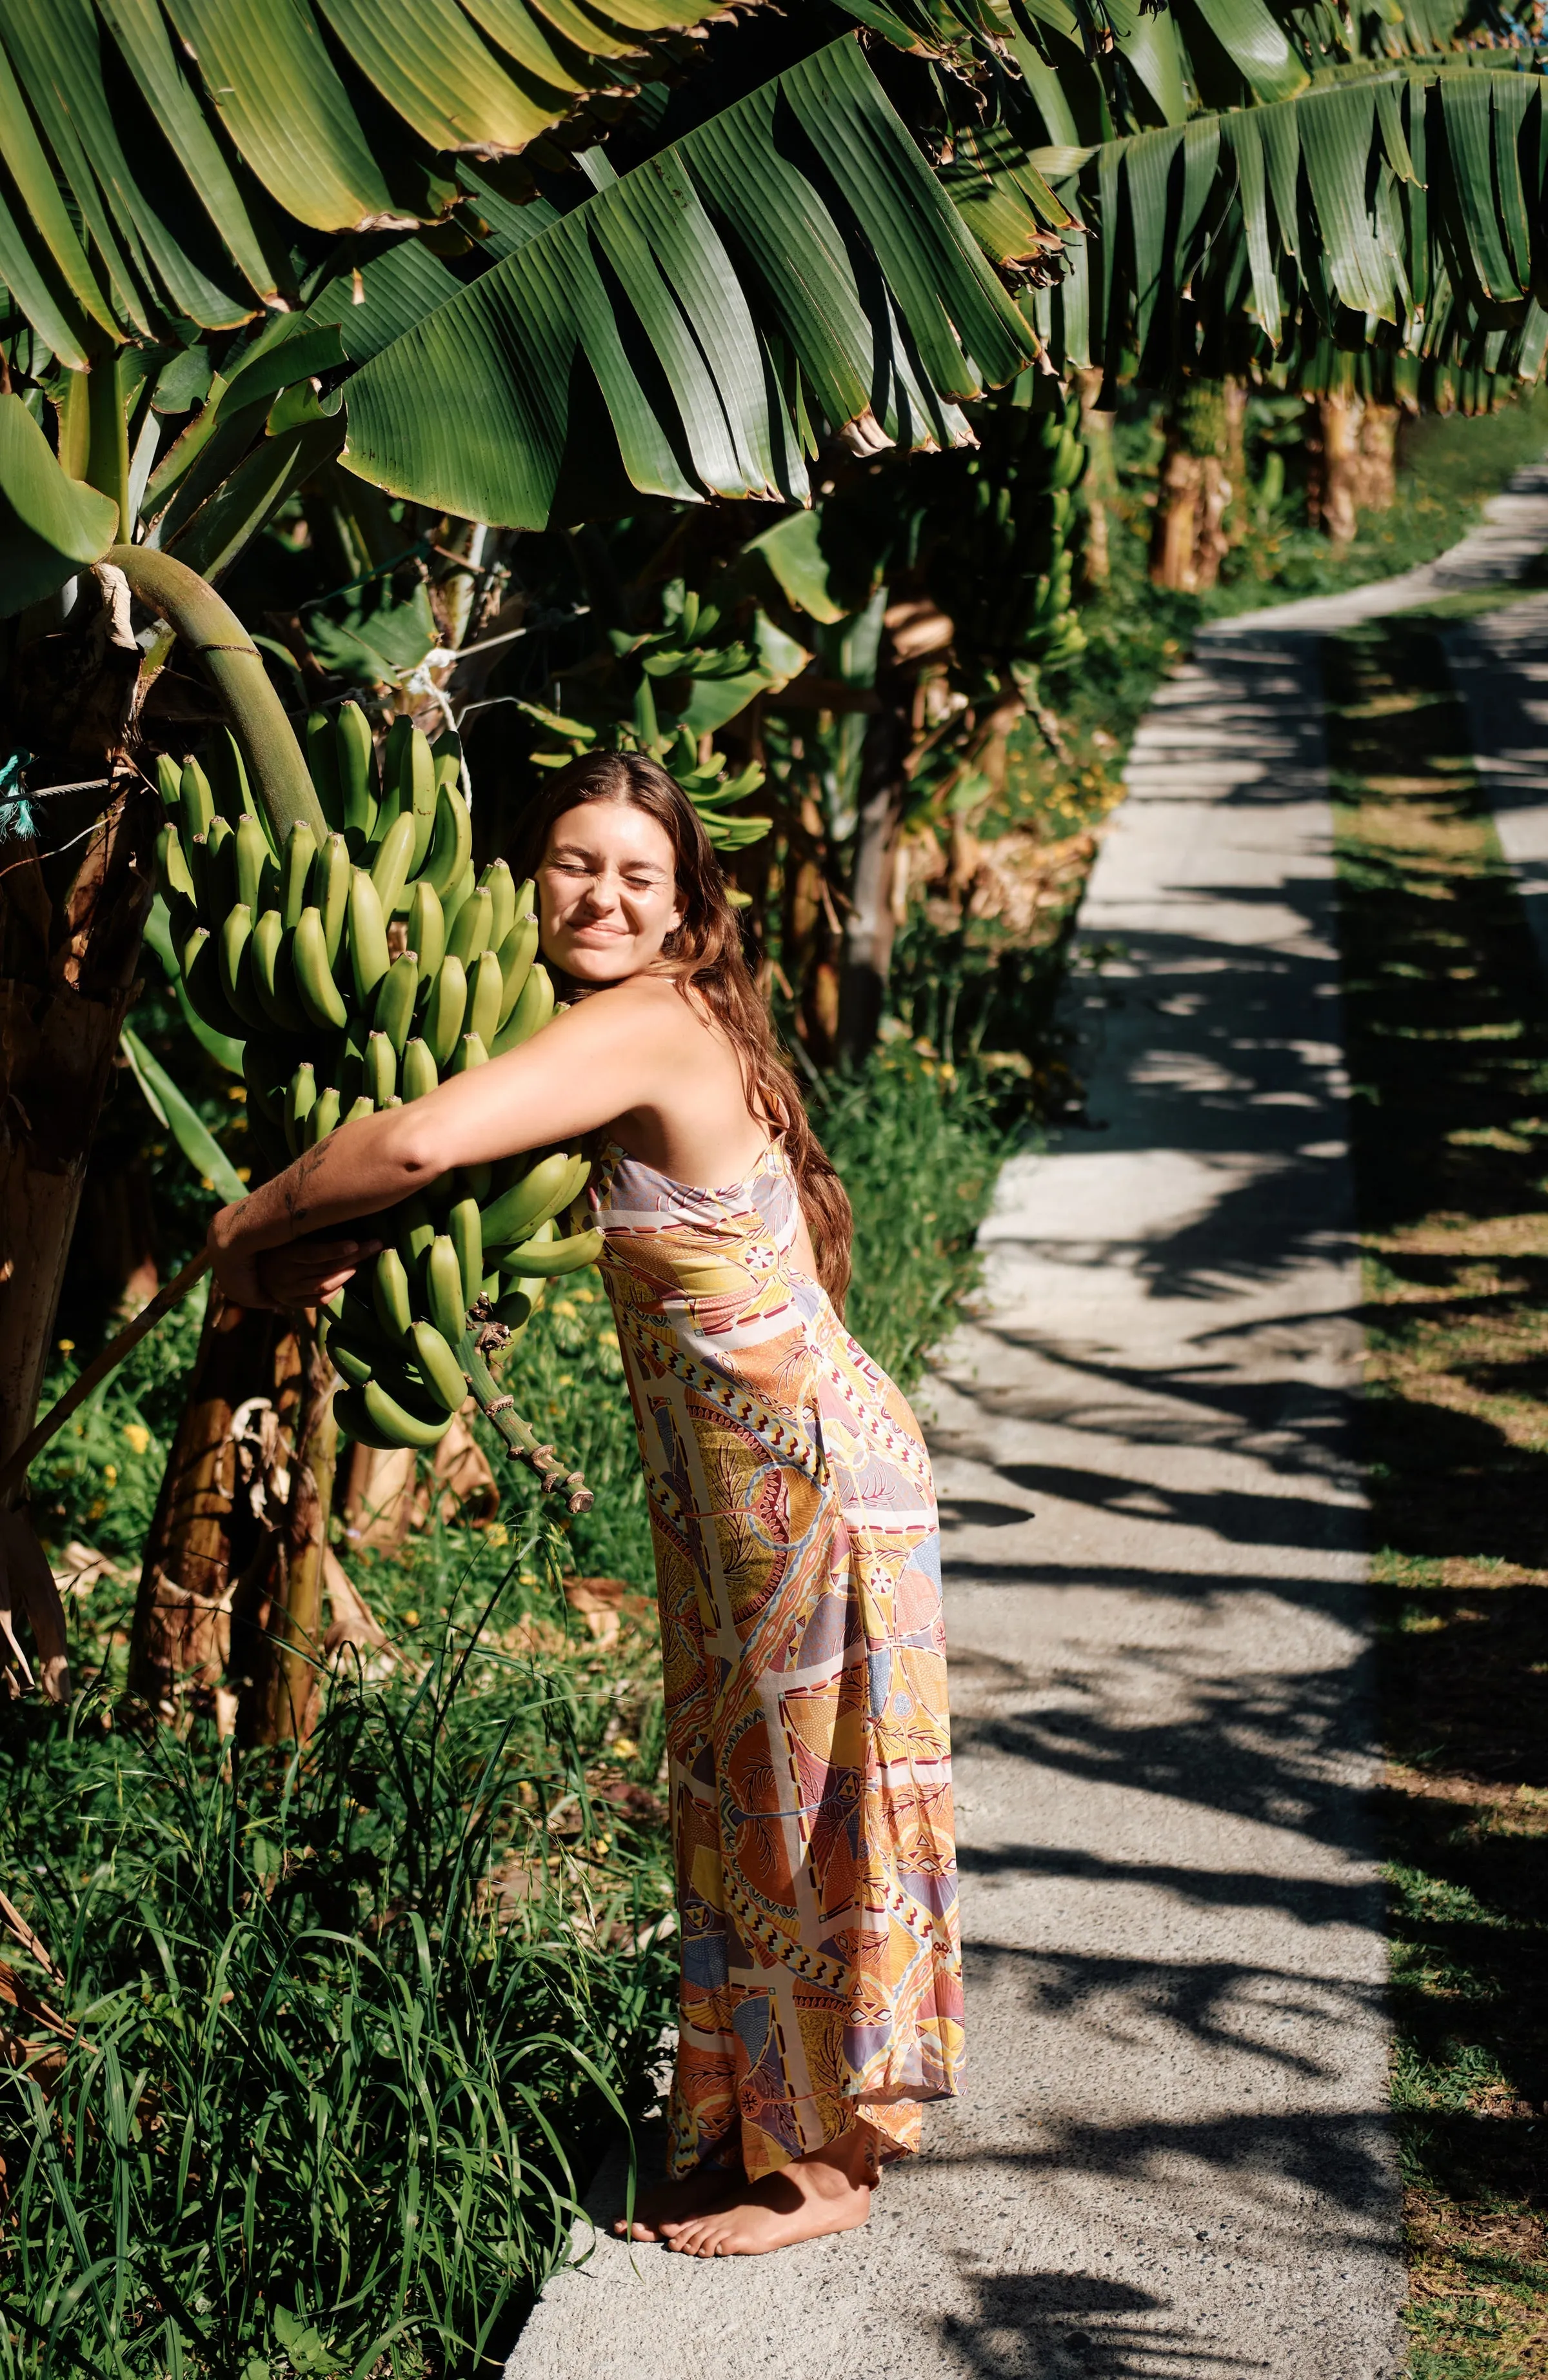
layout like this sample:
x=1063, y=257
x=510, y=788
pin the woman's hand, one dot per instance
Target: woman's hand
x=302, y=1272
x=310, y=1271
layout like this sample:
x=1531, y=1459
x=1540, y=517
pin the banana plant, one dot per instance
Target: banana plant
x=513, y=339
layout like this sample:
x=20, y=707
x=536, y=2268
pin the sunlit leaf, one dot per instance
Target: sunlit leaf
x=49, y=525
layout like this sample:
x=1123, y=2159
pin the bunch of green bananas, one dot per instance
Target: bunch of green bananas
x=356, y=974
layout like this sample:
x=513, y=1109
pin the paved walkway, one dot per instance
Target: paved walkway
x=1173, y=2157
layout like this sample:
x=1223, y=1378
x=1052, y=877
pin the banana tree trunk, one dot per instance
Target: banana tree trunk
x=1333, y=484
x=280, y=1700
x=871, y=925
x=70, y=922
x=222, y=1500
x=1234, y=397
x=1376, y=475
x=1188, y=541
x=1099, y=486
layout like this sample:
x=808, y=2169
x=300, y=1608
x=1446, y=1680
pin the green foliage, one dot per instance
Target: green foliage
x=332, y=2035
x=919, y=1147
x=98, y=1481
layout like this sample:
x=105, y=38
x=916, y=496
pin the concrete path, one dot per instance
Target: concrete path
x=1172, y=2162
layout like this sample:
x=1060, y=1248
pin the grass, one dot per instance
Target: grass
x=307, y=2054
x=1447, y=1036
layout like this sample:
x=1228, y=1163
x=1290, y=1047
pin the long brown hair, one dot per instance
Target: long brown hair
x=706, y=952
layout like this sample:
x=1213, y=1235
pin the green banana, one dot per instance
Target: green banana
x=500, y=885
x=357, y=1316
x=314, y=983
x=485, y=991
x=391, y=802
x=443, y=1373
x=380, y=1069
x=475, y=1180
x=419, y=1073
x=236, y=967
x=548, y=1259
x=516, y=954
x=395, y=995
x=228, y=780
x=443, y=1016
x=356, y=769
x=198, y=856
x=469, y=938
x=197, y=803
x=347, y=1358
x=465, y=1228
x=540, y=1191
x=300, y=851
x=395, y=1423
x=395, y=853
x=169, y=783
x=530, y=1013
x=300, y=1098
x=350, y=1064
x=427, y=931
x=355, y=1422
x=368, y=937
x=444, y=1287
x=177, y=876
x=201, y=964
x=364, y=1106
x=263, y=1072
x=417, y=792
x=330, y=892
x=451, y=846
x=514, y=1310
x=452, y=902
x=447, y=764
x=471, y=1053
x=416, y=1230
x=389, y=1292
x=324, y=1118
x=219, y=867
x=274, y=976
x=323, y=764
x=253, y=856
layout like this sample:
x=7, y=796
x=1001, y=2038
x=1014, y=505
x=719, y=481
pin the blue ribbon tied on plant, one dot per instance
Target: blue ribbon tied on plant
x=17, y=824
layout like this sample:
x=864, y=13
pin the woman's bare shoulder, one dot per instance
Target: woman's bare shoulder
x=645, y=1008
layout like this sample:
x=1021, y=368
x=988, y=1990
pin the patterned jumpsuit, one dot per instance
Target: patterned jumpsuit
x=798, y=1562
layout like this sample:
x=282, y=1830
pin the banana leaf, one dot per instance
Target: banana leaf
x=802, y=218
x=1396, y=206
x=171, y=1108
x=49, y=525
x=134, y=215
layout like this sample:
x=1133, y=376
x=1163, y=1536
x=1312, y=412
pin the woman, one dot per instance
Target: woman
x=791, y=1508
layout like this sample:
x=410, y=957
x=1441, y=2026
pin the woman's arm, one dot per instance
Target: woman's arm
x=614, y=1051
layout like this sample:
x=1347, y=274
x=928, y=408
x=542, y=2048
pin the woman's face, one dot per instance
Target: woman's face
x=607, y=892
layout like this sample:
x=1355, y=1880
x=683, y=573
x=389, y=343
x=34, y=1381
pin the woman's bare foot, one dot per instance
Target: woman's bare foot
x=829, y=2190
x=673, y=2203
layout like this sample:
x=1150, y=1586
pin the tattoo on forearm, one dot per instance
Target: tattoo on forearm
x=294, y=1190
